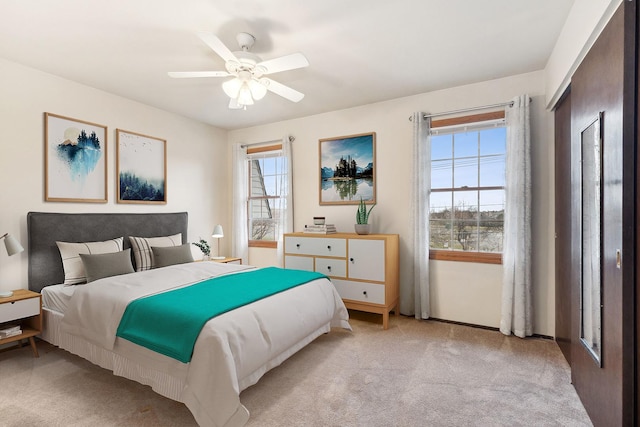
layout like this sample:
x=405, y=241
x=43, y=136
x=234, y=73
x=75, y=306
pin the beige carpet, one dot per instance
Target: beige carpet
x=418, y=373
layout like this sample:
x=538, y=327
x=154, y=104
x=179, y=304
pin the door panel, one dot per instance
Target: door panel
x=563, y=223
x=598, y=86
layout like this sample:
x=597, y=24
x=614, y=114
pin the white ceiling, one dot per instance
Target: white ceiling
x=360, y=51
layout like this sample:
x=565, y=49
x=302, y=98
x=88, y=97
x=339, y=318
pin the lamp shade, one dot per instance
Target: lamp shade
x=258, y=90
x=232, y=87
x=244, y=96
x=12, y=245
x=217, y=232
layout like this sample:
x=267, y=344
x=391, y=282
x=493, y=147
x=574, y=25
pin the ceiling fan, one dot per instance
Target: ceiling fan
x=248, y=71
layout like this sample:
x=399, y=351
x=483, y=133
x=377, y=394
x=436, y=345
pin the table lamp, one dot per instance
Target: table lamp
x=217, y=234
x=13, y=247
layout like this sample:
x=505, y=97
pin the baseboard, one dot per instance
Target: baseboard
x=490, y=328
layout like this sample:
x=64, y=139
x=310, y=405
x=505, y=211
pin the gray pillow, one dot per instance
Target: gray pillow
x=71, y=262
x=170, y=255
x=141, y=247
x=106, y=265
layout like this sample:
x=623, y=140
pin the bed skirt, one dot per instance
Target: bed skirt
x=162, y=383
x=171, y=385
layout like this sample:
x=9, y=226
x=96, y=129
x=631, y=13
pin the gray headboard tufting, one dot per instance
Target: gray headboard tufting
x=46, y=228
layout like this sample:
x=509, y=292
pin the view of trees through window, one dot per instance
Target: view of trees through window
x=467, y=190
x=267, y=191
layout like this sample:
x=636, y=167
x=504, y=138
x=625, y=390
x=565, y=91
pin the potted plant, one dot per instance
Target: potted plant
x=204, y=247
x=362, y=218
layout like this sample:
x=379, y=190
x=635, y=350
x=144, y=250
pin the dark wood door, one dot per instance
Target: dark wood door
x=562, y=118
x=598, y=87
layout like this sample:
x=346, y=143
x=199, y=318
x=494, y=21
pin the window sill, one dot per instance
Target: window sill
x=263, y=244
x=477, y=257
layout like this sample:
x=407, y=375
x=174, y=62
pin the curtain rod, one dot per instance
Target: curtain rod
x=291, y=139
x=464, y=110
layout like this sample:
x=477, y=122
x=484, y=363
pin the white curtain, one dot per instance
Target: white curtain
x=416, y=300
x=285, y=204
x=517, y=307
x=240, y=243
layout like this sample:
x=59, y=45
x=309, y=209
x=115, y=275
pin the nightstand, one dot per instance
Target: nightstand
x=229, y=260
x=23, y=308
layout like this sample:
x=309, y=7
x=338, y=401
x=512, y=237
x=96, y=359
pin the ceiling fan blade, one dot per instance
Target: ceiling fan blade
x=191, y=74
x=218, y=47
x=282, y=90
x=284, y=63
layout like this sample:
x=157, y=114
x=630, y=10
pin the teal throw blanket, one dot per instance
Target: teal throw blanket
x=170, y=322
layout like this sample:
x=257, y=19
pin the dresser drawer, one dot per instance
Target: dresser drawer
x=360, y=291
x=298, y=262
x=19, y=309
x=331, y=267
x=318, y=246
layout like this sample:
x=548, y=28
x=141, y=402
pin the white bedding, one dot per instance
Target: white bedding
x=56, y=297
x=232, y=352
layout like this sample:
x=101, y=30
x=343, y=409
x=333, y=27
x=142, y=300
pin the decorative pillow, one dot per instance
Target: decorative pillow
x=141, y=247
x=70, y=253
x=107, y=265
x=170, y=255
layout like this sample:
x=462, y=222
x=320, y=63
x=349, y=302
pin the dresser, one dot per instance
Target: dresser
x=363, y=268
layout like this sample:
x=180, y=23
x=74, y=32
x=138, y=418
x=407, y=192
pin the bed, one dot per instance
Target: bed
x=232, y=351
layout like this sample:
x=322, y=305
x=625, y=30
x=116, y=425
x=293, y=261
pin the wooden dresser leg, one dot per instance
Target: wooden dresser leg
x=385, y=320
x=32, y=341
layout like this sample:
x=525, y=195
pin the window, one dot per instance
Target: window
x=267, y=194
x=466, y=215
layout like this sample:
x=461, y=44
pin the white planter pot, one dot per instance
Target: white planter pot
x=362, y=228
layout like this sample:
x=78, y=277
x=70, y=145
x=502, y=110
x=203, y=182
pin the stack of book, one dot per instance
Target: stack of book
x=320, y=229
x=9, y=331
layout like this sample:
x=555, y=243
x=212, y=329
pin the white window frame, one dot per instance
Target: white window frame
x=459, y=125
x=252, y=155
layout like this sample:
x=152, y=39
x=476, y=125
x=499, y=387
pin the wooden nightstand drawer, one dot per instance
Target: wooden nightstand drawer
x=19, y=309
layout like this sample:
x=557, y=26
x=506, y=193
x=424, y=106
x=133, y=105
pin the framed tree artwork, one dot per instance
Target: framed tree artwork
x=75, y=162
x=348, y=169
x=141, y=168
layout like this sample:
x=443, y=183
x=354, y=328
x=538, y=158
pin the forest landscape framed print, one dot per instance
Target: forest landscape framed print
x=141, y=168
x=75, y=160
x=348, y=169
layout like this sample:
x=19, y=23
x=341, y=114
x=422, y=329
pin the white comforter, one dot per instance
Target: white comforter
x=233, y=350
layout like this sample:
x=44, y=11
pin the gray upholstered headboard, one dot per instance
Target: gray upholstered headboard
x=46, y=228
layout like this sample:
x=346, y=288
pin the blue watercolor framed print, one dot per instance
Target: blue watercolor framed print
x=75, y=160
x=142, y=168
x=348, y=169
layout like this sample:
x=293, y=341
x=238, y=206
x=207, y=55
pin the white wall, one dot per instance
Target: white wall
x=196, y=183
x=454, y=285
x=584, y=24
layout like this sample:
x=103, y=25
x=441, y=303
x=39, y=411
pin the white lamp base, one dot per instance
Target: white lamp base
x=6, y=294
x=218, y=257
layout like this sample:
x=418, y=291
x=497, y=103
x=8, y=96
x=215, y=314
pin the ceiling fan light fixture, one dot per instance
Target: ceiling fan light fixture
x=232, y=87
x=248, y=70
x=258, y=91
x=244, y=97
x=233, y=105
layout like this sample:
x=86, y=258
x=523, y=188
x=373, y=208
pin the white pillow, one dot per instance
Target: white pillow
x=70, y=253
x=141, y=247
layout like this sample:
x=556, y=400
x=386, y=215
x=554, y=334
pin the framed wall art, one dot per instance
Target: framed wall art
x=348, y=169
x=141, y=168
x=75, y=160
